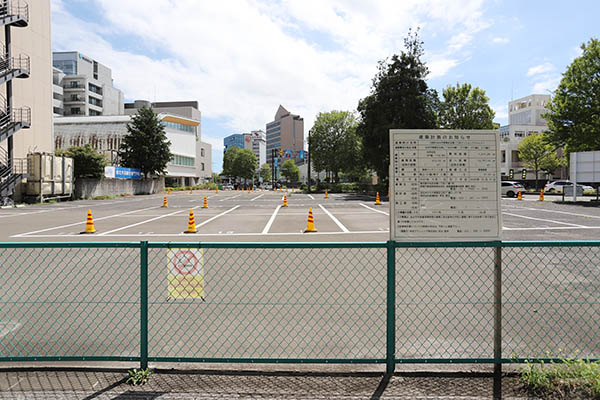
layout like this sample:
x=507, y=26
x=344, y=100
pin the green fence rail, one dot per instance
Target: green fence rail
x=376, y=302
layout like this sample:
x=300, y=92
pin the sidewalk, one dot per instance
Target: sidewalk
x=81, y=383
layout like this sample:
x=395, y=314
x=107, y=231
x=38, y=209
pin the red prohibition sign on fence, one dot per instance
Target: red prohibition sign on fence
x=185, y=262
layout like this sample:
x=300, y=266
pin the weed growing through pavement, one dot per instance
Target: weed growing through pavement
x=139, y=376
x=563, y=378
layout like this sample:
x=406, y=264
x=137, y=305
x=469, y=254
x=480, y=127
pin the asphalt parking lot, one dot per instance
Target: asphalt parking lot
x=236, y=216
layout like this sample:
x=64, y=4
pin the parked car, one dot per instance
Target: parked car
x=511, y=188
x=558, y=186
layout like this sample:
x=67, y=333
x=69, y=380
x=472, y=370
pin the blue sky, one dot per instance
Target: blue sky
x=240, y=59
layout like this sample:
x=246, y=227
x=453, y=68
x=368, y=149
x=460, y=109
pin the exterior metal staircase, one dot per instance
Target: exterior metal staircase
x=13, y=67
x=11, y=173
x=13, y=120
x=14, y=13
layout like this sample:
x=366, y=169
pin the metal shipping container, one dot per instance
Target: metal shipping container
x=49, y=175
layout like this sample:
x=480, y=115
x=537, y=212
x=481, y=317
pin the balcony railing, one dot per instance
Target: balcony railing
x=22, y=62
x=14, y=8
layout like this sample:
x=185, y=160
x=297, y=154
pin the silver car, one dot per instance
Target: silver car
x=511, y=188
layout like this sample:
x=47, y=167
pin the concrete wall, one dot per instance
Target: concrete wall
x=85, y=188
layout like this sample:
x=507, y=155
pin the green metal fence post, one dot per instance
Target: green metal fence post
x=390, y=364
x=498, y=322
x=144, y=304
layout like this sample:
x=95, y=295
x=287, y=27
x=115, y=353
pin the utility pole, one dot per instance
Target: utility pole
x=273, y=167
x=309, y=162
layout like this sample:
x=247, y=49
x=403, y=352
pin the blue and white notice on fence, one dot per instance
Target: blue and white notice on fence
x=122, y=173
x=445, y=185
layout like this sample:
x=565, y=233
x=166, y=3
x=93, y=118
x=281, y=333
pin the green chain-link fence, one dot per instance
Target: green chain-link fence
x=380, y=302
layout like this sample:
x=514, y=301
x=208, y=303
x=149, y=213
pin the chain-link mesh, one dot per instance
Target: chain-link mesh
x=551, y=302
x=61, y=302
x=298, y=302
x=444, y=302
x=273, y=303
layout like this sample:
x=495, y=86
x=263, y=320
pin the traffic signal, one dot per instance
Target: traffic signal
x=511, y=173
x=281, y=153
x=524, y=174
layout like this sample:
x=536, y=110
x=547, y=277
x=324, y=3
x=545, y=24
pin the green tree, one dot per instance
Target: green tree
x=216, y=178
x=228, y=159
x=245, y=164
x=537, y=154
x=290, y=171
x=146, y=146
x=574, y=117
x=87, y=162
x=399, y=99
x=266, y=173
x=334, y=144
x=465, y=107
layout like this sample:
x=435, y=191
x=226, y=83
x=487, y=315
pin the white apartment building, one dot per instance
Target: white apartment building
x=259, y=146
x=524, y=119
x=87, y=86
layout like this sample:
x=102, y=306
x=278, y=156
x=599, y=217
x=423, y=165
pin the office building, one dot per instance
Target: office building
x=524, y=119
x=87, y=85
x=285, y=134
x=259, y=146
x=235, y=140
x=26, y=87
x=202, y=151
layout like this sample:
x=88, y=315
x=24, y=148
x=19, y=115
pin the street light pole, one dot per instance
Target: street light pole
x=309, y=162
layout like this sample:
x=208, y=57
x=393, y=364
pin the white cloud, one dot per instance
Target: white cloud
x=549, y=84
x=501, y=111
x=540, y=69
x=500, y=40
x=242, y=58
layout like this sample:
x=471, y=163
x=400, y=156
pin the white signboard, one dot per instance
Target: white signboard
x=444, y=185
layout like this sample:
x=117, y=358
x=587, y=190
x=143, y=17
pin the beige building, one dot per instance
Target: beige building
x=285, y=134
x=26, y=85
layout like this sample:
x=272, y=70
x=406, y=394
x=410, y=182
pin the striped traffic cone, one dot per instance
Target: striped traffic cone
x=310, y=226
x=205, y=205
x=217, y=190
x=191, y=190
x=89, y=224
x=165, y=204
x=169, y=191
x=191, y=223
x=519, y=195
x=284, y=201
x=326, y=194
x=377, y=201
x=541, y=194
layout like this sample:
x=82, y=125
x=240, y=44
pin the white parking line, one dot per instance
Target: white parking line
x=544, y=220
x=555, y=211
x=373, y=209
x=229, y=198
x=144, y=222
x=310, y=195
x=82, y=222
x=216, y=216
x=300, y=233
x=268, y=226
x=337, y=222
x=258, y=197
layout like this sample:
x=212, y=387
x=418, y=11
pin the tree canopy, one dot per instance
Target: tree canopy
x=146, y=146
x=334, y=144
x=87, y=162
x=465, y=107
x=399, y=99
x=266, y=173
x=574, y=117
x=228, y=158
x=290, y=171
x=245, y=164
x=538, y=155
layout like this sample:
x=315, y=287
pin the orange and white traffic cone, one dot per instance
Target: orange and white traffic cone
x=284, y=201
x=191, y=223
x=519, y=195
x=89, y=224
x=169, y=191
x=191, y=190
x=217, y=190
x=377, y=201
x=326, y=194
x=541, y=194
x=165, y=204
x=310, y=226
x=205, y=205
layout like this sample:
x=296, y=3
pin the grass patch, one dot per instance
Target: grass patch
x=103, y=197
x=565, y=379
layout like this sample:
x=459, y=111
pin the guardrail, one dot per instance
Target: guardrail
x=375, y=302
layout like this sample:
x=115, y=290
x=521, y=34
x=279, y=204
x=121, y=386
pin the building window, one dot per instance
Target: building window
x=75, y=84
x=202, y=166
x=69, y=67
x=179, y=127
x=202, y=155
x=519, y=133
x=75, y=110
x=75, y=97
x=183, y=160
